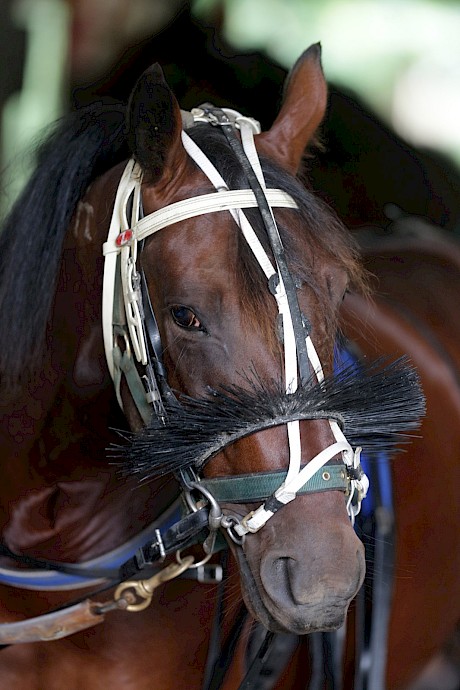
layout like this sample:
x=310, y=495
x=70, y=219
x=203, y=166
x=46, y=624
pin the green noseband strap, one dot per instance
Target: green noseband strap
x=248, y=488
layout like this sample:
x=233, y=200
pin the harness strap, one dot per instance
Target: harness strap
x=180, y=535
x=53, y=626
x=378, y=535
x=287, y=492
x=256, y=668
x=123, y=365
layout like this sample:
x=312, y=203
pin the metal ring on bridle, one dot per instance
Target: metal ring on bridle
x=197, y=564
x=229, y=523
x=215, y=512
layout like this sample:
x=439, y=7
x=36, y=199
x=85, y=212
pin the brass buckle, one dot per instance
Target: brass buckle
x=139, y=593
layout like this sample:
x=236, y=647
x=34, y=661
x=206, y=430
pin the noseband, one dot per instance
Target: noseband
x=127, y=314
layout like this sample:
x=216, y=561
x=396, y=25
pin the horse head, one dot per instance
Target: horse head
x=233, y=274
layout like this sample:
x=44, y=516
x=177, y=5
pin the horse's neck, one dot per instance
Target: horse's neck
x=79, y=519
x=60, y=497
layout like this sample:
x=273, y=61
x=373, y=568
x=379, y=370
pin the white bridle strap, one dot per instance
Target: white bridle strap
x=288, y=490
x=119, y=222
x=225, y=200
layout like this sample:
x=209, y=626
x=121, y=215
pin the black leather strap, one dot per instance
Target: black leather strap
x=256, y=669
x=180, y=535
x=299, y=323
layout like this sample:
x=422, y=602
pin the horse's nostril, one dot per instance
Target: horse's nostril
x=288, y=581
x=281, y=568
x=281, y=577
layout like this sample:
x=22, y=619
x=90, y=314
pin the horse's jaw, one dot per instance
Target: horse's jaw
x=298, y=582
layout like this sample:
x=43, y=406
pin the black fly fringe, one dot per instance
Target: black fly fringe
x=377, y=407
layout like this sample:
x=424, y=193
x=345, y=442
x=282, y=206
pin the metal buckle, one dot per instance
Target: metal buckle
x=140, y=558
x=232, y=117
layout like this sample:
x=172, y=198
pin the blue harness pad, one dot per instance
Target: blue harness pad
x=378, y=470
x=54, y=580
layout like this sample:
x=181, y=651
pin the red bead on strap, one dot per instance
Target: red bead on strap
x=124, y=237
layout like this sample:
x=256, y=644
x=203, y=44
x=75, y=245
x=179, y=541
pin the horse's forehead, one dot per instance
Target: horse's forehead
x=206, y=245
x=207, y=255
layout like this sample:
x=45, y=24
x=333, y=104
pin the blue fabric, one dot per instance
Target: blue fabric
x=378, y=470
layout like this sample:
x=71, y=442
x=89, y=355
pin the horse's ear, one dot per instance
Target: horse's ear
x=154, y=126
x=303, y=108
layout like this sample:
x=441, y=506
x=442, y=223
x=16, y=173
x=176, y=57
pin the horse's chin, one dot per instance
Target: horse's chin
x=306, y=620
x=296, y=619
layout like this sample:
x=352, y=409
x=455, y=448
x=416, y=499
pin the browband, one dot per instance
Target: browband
x=224, y=200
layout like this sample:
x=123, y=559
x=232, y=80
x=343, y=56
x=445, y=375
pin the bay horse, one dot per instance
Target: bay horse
x=147, y=313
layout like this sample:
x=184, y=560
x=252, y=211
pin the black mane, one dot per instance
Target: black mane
x=82, y=146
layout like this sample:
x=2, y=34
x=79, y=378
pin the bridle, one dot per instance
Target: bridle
x=123, y=296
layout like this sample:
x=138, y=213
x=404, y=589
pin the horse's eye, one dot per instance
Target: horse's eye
x=185, y=317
